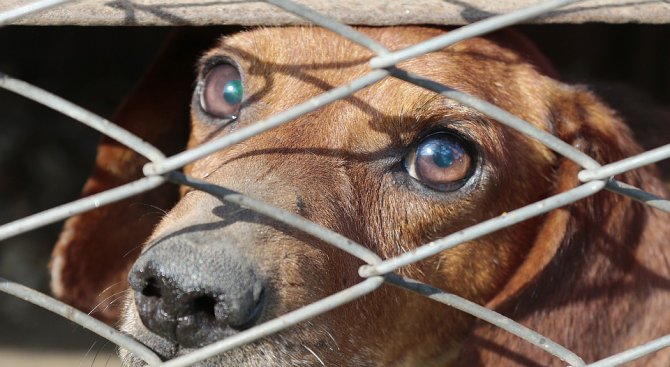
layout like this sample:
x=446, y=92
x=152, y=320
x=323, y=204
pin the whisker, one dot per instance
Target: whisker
x=314, y=354
x=160, y=210
x=96, y=354
x=81, y=362
x=112, y=302
x=109, y=358
x=131, y=250
x=102, y=348
x=108, y=288
x=105, y=299
x=333, y=339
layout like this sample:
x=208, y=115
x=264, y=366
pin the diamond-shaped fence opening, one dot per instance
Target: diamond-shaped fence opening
x=377, y=271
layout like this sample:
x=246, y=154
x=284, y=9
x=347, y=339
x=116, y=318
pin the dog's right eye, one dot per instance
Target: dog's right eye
x=441, y=161
x=221, y=92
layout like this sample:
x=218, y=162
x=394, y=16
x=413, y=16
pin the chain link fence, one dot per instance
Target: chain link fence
x=377, y=271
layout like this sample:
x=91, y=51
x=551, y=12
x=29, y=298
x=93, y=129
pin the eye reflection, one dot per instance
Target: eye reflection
x=232, y=92
x=440, y=161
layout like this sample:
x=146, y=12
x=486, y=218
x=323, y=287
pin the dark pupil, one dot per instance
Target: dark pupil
x=232, y=92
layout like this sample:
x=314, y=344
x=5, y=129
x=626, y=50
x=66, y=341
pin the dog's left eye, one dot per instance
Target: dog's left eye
x=440, y=161
x=221, y=92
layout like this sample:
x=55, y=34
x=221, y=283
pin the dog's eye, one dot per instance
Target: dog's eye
x=221, y=93
x=440, y=161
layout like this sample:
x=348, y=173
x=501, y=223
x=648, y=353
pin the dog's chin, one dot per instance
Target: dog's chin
x=278, y=350
x=260, y=354
x=302, y=345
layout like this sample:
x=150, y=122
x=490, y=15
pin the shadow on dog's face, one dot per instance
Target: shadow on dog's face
x=392, y=167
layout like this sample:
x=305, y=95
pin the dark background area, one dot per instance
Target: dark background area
x=45, y=156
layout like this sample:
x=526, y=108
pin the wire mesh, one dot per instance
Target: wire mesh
x=377, y=271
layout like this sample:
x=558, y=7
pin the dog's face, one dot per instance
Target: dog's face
x=392, y=167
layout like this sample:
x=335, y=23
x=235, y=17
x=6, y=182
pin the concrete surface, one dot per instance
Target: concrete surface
x=370, y=12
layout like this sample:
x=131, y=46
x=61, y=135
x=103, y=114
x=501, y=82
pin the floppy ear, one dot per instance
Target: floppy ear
x=91, y=259
x=582, y=252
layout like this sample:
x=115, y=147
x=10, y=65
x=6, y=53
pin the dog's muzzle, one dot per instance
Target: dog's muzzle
x=194, y=293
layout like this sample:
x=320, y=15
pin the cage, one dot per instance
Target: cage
x=92, y=53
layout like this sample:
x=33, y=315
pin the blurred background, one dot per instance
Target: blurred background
x=45, y=157
x=44, y=160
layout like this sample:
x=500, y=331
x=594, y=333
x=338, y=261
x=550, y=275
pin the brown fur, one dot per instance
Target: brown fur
x=591, y=276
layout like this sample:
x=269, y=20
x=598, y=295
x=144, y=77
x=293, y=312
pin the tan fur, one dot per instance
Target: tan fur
x=591, y=276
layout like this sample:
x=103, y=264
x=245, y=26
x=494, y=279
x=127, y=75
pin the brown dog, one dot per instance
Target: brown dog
x=392, y=167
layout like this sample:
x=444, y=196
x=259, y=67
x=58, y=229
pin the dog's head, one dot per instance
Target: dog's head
x=392, y=167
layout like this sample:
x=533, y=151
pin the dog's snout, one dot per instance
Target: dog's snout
x=196, y=299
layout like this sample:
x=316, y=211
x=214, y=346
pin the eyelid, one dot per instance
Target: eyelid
x=208, y=64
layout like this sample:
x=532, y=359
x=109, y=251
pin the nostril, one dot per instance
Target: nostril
x=204, y=305
x=253, y=314
x=151, y=289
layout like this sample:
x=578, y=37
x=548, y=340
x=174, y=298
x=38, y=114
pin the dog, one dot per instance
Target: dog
x=391, y=167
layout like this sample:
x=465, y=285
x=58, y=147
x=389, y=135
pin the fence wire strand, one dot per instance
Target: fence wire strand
x=78, y=206
x=377, y=270
x=487, y=315
x=280, y=323
x=295, y=221
x=337, y=27
x=625, y=165
x=478, y=230
x=179, y=160
x=86, y=117
x=501, y=116
x=638, y=195
x=633, y=353
x=469, y=31
x=74, y=315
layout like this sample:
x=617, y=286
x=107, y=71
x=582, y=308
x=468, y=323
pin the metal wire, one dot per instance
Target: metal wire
x=469, y=31
x=279, y=323
x=86, y=117
x=478, y=230
x=325, y=22
x=179, y=160
x=625, y=165
x=78, y=206
x=76, y=316
x=633, y=353
x=638, y=195
x=502, y=116
x=296, y=221
x=377, y=271
x=487, y=315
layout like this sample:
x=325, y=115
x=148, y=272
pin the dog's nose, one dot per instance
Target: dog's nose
x=195, y=298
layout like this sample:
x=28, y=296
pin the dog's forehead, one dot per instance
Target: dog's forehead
x=284, y=66
x=318, y=46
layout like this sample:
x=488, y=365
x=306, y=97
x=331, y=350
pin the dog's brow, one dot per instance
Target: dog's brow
x=209, y=60
x=438, y=108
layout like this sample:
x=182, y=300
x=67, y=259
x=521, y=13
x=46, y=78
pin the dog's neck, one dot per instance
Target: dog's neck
x=610, y=273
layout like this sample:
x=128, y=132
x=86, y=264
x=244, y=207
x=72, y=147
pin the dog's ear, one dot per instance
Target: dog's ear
x=581, y=252
x=91, y=259
x=582, y=120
